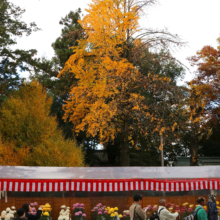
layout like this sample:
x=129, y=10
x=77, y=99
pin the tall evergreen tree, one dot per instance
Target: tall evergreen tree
x=13, y=61
x=46, y=71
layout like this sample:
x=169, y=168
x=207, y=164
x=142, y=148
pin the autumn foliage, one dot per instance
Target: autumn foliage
x=109, y=99
x=204, y=97
x=10, y=156
x=29, y=134
x=207, y=79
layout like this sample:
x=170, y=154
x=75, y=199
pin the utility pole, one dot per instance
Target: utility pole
x=161, y=144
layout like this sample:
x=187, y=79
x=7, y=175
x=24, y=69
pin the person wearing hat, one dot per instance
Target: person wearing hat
x=212, y=209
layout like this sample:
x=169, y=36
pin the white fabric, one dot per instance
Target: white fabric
x=166, y=215
x=204, y=172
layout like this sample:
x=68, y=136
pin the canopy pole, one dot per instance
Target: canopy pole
x=142, y=194
x=71, y=192
x=6, y=197
x=161, y=144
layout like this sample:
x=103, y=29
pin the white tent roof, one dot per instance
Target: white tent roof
x=9, y=172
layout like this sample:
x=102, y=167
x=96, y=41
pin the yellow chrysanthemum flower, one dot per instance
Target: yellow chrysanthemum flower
x=120, y=216
x=217, y=202
x=191, y=206
x=112, y=215
x=185, y=204
x=112, y=210
x=115, y=213
x=46, y=214
x=116, y=208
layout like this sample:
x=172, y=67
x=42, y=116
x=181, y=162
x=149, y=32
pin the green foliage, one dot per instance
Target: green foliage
x=168, y=101
x=12, y=60
x=46, y=71
x=211, y=146
x=71, y=32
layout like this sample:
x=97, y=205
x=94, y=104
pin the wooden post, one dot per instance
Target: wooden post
x=142, y=199
x=161, y=144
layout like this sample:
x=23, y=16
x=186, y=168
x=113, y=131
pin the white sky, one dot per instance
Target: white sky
x=195, y=21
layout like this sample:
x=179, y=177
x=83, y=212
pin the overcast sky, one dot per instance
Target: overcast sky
x=195, y=21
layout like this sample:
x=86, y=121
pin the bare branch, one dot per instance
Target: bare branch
x=159, y=39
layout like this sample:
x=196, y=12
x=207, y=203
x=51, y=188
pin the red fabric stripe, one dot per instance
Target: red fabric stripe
x=117, y=185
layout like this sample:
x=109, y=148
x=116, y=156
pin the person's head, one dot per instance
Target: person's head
x=162, y=202
x=201, y=201
x=212, y=197
x=21, y=213
x=26, y=207
x=137, y=198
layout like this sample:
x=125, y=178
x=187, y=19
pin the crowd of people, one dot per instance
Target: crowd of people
x=24, y=213
x=137, y=213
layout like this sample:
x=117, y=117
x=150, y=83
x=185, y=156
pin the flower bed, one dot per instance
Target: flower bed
x=46, y=212
x=64, y=213
x=8, y=213
x=34, y=206
x=100, y=212
x=79, y=211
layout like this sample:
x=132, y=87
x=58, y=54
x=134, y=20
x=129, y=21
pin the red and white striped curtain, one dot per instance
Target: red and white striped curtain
x=108, y=185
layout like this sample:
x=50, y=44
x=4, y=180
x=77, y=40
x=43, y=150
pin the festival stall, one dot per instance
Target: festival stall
x=112, y=186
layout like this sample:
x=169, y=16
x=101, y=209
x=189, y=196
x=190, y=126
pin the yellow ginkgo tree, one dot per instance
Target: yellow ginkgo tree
x=108, y=99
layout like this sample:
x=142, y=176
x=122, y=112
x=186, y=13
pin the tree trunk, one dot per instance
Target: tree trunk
x=124, y=157
x=194, y=157
x=194, y=151
x=124, y=151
